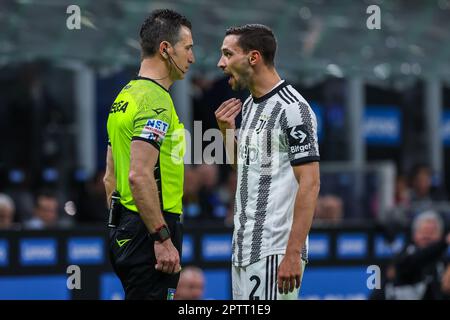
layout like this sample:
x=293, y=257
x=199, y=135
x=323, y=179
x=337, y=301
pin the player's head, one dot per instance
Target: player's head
x=167, y=35
x=245, y=49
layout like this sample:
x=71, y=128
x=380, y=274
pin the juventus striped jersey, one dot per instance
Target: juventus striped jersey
x=278, y=130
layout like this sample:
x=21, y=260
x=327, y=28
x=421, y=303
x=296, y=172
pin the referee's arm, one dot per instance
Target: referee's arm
x=143, y=184
x=144, y=157
x=109, y=180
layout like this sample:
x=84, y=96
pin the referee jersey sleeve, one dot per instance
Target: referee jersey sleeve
x=151, y=124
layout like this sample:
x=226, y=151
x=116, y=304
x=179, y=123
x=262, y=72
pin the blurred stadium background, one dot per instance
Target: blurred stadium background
x=382, y=99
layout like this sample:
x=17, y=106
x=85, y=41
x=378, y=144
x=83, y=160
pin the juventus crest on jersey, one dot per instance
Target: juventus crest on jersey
x=278, y=131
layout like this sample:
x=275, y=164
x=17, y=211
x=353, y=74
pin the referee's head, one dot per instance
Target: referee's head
x=161, y=25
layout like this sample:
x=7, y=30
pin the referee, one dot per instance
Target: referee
x=145, y=163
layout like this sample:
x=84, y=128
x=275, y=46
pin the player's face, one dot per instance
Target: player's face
x=182, y=54
x=234, y=63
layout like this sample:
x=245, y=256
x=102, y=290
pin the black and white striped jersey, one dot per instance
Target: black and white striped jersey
x=278, y=131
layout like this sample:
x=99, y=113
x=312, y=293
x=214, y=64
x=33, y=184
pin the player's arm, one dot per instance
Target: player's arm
x=109, y=179
x=144, y=156
x=308, y=177
x=225, y=116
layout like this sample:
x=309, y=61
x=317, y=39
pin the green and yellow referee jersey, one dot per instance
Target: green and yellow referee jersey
x=144, y=110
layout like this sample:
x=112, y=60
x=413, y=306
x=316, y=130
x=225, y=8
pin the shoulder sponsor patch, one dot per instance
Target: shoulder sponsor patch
x=155, y=129
x=299, y=138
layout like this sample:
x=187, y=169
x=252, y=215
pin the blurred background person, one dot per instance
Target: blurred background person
x=419, y=269
x=191, y=197
x=91, y=203
x=330, y=209
x=7, y=211
x=212, y=206
x=46, y=212
x=415, y=194
x=191, y=285
x=423, y=194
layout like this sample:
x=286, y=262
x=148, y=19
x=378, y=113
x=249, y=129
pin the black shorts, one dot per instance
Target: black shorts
x=132, y=256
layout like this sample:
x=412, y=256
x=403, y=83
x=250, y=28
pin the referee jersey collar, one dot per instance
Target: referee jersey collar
x=280, y=85
x=150, y=79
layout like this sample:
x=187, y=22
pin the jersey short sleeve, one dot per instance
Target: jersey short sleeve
x=151, y=124
x=299, y=127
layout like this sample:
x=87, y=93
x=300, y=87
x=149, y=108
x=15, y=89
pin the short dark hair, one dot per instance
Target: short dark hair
x=161, y=25
x=256, y=37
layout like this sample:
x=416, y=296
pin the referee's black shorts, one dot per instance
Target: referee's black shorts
x=132, y=256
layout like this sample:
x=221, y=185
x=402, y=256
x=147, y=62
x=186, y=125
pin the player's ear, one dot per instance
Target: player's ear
x=254, y=57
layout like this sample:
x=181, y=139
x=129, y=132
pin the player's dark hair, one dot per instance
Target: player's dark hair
x=256, y=37
x=161, y=25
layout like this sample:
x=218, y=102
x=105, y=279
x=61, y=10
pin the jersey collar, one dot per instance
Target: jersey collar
x=149, y=79
x=280, y=85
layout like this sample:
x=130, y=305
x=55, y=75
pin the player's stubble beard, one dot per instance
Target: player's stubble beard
x=244, y=78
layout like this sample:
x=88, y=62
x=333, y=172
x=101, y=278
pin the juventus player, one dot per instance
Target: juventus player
x=276, y=155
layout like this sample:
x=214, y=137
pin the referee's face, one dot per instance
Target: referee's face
x=182, y=54
x=234, y=63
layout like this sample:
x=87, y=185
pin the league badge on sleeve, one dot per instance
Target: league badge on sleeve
x=155, y=130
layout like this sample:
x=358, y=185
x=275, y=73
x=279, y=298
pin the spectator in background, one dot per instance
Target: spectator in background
x=419, y=269
x=91, y=203
x=211, y=204
x=191, y=285
x=45, y=214
x=18, y=188
x=329, y=209
x=7, y=211
x=423, y=195
x=402, y=197
x=191, y=188
x=418, y=197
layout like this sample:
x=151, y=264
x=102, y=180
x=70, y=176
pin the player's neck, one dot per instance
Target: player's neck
x=263, y=81
x=155, y=69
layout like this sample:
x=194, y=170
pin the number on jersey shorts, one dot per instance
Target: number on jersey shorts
x=258, y=281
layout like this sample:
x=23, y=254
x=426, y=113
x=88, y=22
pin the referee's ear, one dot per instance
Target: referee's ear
x=163, y=49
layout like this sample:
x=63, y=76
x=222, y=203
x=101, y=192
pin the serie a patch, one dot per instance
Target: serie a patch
x=155, y=129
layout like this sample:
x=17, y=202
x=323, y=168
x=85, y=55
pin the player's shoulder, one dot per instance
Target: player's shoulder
x=289, y=95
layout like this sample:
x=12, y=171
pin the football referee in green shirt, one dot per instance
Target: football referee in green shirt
x=145, y=162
